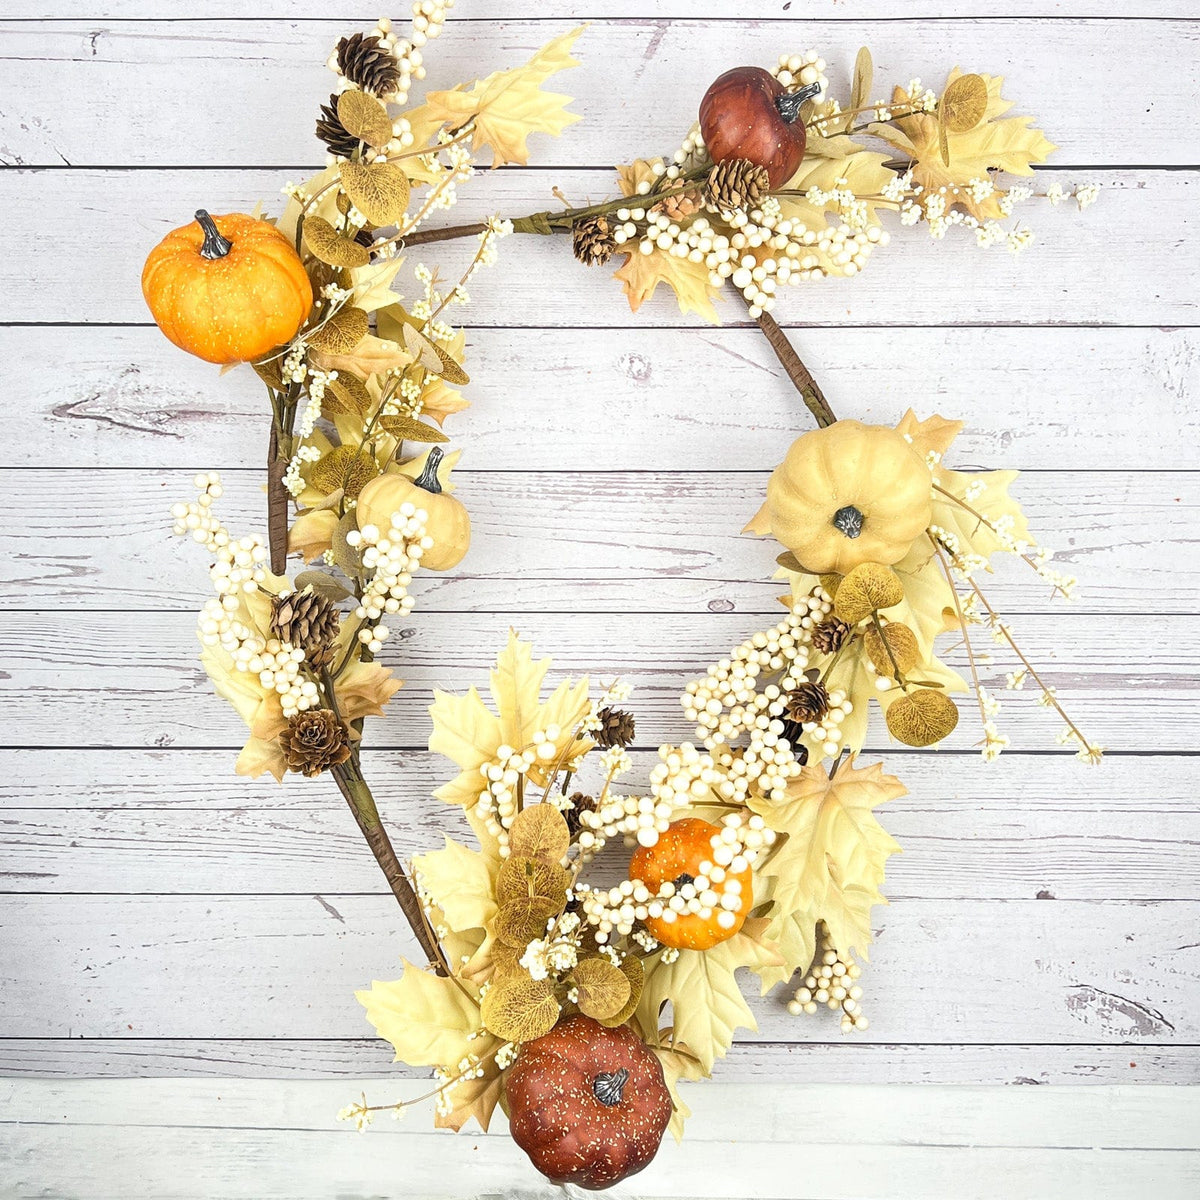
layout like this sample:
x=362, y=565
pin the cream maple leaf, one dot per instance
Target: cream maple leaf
x=830, y=863
x=469, y=733
x=461, y=882
x=1009, y=145
x=678, y=1062
x=706, y=1002
x=508, y=106
x=642, y=273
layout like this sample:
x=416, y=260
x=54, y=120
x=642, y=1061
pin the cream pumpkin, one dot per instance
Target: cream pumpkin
x=848, y=494
x=449, y=523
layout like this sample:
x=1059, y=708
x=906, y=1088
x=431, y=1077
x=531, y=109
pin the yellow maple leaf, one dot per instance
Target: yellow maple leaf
x=642, y=273
x=1011, y=144
x=706, y=1002
x=461, y=882
x=678, y=1062
x=852, y=167
x=364, y=688
x=508, y=106
x=831, y=862
x=630, y=176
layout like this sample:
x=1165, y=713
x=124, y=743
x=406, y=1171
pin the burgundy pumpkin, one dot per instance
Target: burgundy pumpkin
x=587, y=1104
x=747, y=113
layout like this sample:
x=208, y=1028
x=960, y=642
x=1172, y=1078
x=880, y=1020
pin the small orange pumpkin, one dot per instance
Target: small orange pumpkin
x=684, y=856
x=227, y=289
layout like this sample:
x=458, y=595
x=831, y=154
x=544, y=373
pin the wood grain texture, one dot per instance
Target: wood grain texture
x=649, y=399
x=248, y=65
x=116, y=682
x=619, y=541
x=262, y=966
x=1130, y=259
x=1113, y=1141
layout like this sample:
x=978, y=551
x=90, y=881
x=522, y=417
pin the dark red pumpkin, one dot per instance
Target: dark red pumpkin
x=587, y=1104
x=747, y=113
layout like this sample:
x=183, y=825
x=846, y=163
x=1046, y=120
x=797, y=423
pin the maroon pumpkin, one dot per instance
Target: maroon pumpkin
x=587, y=1104
x=747, y=113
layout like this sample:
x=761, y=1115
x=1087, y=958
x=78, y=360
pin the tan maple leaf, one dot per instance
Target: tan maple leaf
x=642, y=273
x=461, y=882
x=630, y=176
x=678, y=1063
x=508, y=106
x=706, y=1002
x=1010, y=144
x=830, y=863
x=364, y=688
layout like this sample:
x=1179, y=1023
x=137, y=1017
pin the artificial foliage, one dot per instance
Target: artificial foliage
x=583, y=942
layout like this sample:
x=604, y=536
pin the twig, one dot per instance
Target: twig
x=801, y=377
x=277, y=504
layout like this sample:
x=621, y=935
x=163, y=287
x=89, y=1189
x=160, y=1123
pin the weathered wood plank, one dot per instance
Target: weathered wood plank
x=98, y=679
x=261, y=79
x=1141, y=233
x=844, y=1060
x=650, y=399
x=127, y=1161
x=286, y=966
x=624, y=541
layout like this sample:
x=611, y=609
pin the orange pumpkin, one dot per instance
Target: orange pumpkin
x=227, y=289
x=684, y=856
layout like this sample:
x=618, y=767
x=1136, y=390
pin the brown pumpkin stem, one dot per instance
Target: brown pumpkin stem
x=215, y=245
x=362, y=804
x=428, y=479
x=797, y=372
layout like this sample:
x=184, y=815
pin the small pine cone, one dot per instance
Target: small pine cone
x=592, y=241
x=736, y=183
x=581, y=802
x=829, y=636
x=307, y=621
x=806, y=702
x=680, y=205
x=330, y=130
x=616, y=728
x=314, y=741
x=368, y=64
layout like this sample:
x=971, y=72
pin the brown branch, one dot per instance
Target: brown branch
x=277, y=505
x=449, y=233
x=801, y=377
x=362, y=804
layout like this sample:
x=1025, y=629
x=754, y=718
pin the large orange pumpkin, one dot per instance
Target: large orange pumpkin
x=679, y=857
x=227, y=289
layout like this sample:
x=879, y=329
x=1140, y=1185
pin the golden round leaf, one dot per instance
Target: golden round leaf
x=900, y=641
x=408, y=429
x=540, y=831
x=831, y=583
x=451, y=371
x=324, y=242
x=922, y=717
x=603, y=989
x=378, y=190
x=866, y=589
x=963, y=104
x=347, y=394
x=522, y=875
x=506, y=960
x=342, y=332
x=364, y=118
x=343, y=467
x=524, y=918
x=519, y=1009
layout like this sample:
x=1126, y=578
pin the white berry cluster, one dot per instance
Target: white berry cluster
x=800, y=69
x=428, y=18
x=736, y=847
x=831, y=982
x=502, y=773
x=390, y=557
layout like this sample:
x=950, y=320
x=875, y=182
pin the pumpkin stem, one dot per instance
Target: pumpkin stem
x=608, y=1086
x=848, y=520
x=428, y=478
x=790, y=103
x=683, y=879
x=215, y=246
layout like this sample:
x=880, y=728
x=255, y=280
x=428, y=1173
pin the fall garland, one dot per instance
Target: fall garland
x=580, y=1006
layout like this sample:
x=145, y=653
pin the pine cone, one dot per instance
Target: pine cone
x=307, y=621
x=806, y=702
x=314, y=741
x=829, y=636
x=681, y=204
x=330, y=130
x=592, y=241
x=367, y=63
x=581, y=802
x=616, y=728
x=736, y=183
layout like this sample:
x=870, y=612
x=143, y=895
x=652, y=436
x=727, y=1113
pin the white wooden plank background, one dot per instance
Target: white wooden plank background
x=178, y=947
